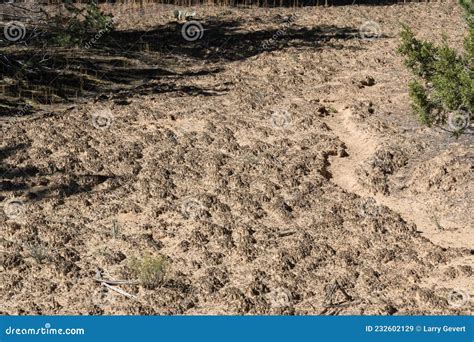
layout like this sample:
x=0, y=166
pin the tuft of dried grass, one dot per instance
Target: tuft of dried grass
x=150, y=270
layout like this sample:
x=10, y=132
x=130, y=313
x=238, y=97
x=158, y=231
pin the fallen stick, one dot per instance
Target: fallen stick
x=117, y=282
x=286, y=233
x=122, y=292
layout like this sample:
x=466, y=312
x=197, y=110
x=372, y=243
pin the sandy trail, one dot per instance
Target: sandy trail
x=361, y=145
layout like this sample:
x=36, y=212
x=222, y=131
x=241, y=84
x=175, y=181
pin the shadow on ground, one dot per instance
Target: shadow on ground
x=143, y=62
x=30, y=181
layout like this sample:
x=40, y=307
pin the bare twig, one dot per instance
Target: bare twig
x=99, y=278
x=331, y=291
x=117, y=282
x=122, y=292
x=286, y=233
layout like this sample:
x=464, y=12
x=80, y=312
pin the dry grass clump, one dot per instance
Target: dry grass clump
x=38, y=251
x=150, y=270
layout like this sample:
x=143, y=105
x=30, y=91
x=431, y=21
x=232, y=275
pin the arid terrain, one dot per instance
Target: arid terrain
x=274, y=162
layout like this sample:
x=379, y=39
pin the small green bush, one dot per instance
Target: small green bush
x=444, y=84
x=149, y=270
x=79, y=25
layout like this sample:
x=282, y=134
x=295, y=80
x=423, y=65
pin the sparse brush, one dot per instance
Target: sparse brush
x=150, y=270
x=38, y=251
x=78, y=25
x=115, y=231
x=435, y=220
x=445, y=79
x=182, y=15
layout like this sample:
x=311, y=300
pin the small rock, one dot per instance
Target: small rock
x=368, y=82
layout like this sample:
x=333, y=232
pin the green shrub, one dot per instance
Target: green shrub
x=420, y=102
x=444, y=86
x=79, y=25
x=149, y=270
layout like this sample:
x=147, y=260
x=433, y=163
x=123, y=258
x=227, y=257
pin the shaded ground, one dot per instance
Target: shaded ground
x=127, y=61
x=271, y=179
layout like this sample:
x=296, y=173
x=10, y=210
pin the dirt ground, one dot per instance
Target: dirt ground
x=274, y=163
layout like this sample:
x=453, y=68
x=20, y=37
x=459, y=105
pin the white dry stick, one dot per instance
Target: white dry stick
x=122, y=292
x=117, y=282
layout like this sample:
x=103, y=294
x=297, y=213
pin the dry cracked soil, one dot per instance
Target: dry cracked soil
x=290, y=179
